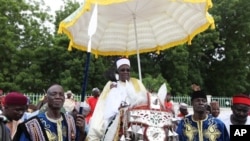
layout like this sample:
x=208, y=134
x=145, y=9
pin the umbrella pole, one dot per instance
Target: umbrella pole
x=137, y=48
x=85, y=78
x=91, y=32
x=84, y=87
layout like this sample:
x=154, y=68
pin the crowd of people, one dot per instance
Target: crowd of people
x=57, y=116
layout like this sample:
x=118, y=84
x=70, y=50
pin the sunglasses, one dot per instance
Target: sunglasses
x=123, y=70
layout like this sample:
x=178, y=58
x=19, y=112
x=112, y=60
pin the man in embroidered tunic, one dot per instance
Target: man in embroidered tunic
x=52, y=125
x=200, y=126
x=111, y=99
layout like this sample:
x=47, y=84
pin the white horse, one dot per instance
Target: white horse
x=150, y=122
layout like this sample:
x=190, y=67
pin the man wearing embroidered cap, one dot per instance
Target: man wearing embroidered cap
x=240, y=108
x=126, y=91
x=14, y=106
x=200, y=126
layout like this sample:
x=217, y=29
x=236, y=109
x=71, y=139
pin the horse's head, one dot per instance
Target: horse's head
x=155, y=102
x=157, y=99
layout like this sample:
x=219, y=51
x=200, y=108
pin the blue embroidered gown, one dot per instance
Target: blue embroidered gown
x=209, y=129
x=55, y=130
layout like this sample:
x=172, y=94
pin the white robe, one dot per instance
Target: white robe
x=227, y=121
x=109, y=102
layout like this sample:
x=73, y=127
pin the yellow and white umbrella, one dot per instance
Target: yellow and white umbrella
x=158, y=25
x=127, y=27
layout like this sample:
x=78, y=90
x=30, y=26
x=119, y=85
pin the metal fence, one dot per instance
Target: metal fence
x=35, y=98
x=223, y=101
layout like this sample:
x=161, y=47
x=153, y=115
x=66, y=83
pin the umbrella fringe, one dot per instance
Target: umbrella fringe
x=199, y=30
x=70, y=46
x=103, y=2
x=68, y=22
x=209, y=2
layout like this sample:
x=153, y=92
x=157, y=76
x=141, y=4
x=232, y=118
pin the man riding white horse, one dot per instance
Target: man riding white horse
x=125, y=111
x=109, y=101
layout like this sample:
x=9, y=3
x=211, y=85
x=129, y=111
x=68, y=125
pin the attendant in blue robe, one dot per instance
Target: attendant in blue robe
x=46, y=128
x=200, y=126
x=52, y=125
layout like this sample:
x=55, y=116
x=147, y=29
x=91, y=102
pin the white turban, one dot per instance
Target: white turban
x=123, y=61
x=95, y=89
x=183, y=106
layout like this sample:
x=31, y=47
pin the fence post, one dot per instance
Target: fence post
x=209, y=97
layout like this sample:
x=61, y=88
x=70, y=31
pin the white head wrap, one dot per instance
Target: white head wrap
x=123, y=61
x=95, y=89
x=69, y=92
x=183, y=106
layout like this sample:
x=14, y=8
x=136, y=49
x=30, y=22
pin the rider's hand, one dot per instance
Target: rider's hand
x=113, y=85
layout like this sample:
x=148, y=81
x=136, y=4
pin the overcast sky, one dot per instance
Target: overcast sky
x=56, y=4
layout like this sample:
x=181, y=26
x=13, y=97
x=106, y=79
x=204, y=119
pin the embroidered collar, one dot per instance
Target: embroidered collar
x=53, y=120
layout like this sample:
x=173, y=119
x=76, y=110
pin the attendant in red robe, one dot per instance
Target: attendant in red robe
x=183, y=110
x=92, y=103
x=169, y=104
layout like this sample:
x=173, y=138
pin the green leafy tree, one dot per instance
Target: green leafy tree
x=22, y=25
x=174, y=68
x=153, y=83
x=229, y=74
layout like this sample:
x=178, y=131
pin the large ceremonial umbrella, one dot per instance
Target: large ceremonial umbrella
x=128, y=27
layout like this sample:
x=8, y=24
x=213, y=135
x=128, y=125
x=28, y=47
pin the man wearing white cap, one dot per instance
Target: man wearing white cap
x=126, y=91
x=69, y=103
x=183, y=108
